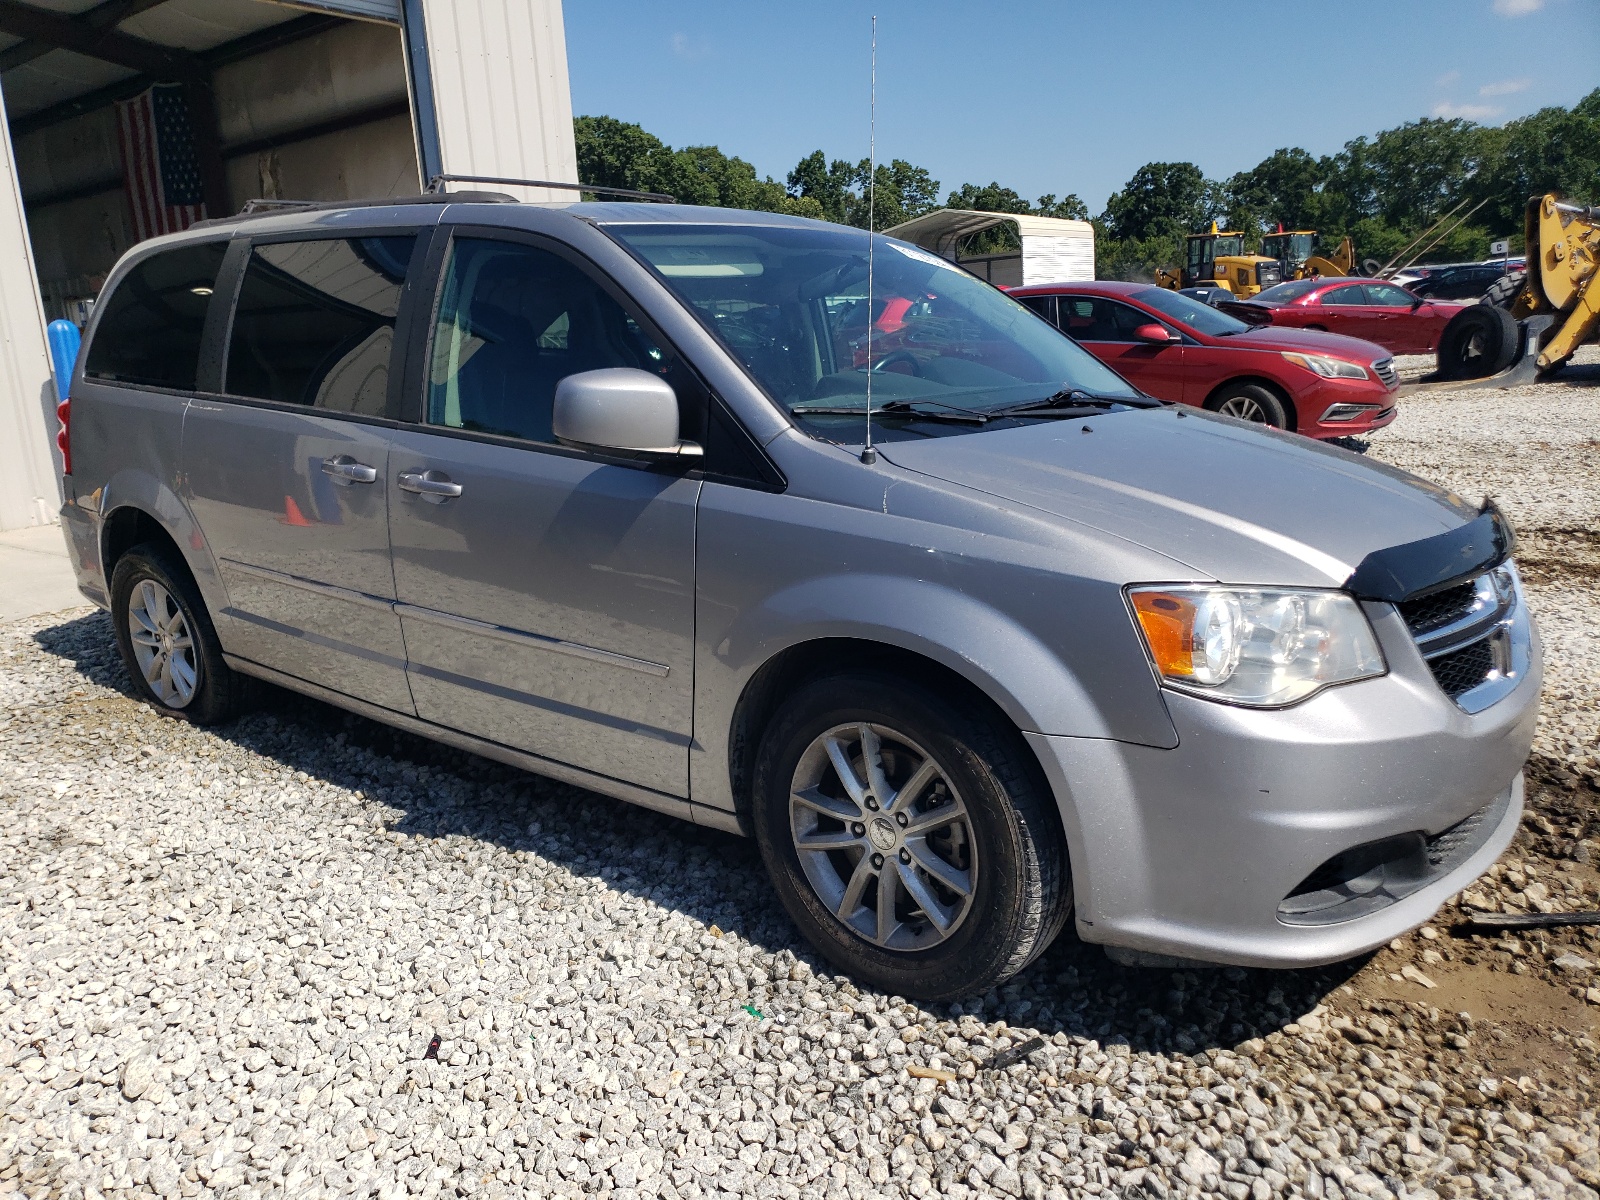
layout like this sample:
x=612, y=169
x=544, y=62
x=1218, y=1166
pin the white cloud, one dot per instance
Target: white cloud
x=1506, y=87
x=1471, y=112
x=1447, y=79
x=690, y=48
x=1517, y=8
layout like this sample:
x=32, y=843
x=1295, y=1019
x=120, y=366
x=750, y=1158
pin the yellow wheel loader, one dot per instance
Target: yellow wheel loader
x=1529, y=326
x=1296, y=252
x=1217, y=259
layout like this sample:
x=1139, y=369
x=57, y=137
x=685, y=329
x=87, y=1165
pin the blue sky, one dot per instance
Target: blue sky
x=1068, y=96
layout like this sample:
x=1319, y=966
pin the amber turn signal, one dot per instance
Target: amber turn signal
x=1168, y=624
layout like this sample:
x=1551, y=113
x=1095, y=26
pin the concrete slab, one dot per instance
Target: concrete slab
x=36, y=573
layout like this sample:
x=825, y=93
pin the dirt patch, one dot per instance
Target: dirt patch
x=1526, y=1025
x=1558, y=555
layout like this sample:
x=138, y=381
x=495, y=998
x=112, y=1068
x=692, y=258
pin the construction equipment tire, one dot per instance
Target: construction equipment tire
x=1481, y=340
x=1502, y=292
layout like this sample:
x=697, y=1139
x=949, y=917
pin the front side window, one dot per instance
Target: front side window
x=791, y=304
x=315, y=322
x=1346, y=296
x=1194, y=313
x=1096, y=319
x=150, y=329
x=514, y=320
x=1387, y=295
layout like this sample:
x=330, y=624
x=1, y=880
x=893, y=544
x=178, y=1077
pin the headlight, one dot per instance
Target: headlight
x=1257, y=646
x=1328, y=368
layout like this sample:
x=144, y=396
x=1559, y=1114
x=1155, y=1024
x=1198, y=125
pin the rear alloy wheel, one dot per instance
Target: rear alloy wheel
x=1480, y=340
x=167, y=640
x=911, y=840
x=1250, y=402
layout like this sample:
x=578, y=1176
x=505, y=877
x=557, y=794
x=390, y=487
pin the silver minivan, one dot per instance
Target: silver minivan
x=588, y=488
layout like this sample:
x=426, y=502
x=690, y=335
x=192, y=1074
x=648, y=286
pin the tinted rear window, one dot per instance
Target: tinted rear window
x=315, y=322
x=1285, y=292
x=150, y=328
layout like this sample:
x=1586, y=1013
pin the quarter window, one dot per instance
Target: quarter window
x=150, y=329
x=315, y=322
x=514, y=320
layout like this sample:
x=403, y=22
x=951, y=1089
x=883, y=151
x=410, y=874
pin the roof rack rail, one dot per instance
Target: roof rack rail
x=261, y=205
x=258, y=207
x=436, y=186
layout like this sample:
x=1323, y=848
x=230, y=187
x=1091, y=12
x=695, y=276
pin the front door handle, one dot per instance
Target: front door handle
x=346, y=470
x=433, y=486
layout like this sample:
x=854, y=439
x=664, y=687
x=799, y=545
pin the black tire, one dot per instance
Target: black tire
x=1017, y=864
x=217, y=691
x=1502, y=292
x=1481, y=340
x=1370, y=267
x=1250, y=402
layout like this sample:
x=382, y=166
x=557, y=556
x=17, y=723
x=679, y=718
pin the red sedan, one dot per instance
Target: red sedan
x=1379, y=312
x=1177, y=348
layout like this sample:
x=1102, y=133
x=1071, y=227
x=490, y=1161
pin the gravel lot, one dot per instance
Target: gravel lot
x=226, y=954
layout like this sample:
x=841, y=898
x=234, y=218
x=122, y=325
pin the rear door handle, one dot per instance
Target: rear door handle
x=433, y=486
x=346, y=470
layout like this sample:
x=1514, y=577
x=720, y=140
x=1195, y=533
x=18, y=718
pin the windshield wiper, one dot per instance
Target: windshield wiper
x=903, y=408
x=1073, y=402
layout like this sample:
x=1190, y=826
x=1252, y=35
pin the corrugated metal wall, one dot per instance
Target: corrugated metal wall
x=501, y=99
x=29, y=492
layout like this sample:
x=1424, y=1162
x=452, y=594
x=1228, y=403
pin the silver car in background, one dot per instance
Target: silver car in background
x=585, y=488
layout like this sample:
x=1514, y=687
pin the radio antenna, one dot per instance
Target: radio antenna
x=869, y=455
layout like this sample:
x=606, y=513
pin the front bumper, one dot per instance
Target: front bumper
x=1192, y=852
x=1315, y=398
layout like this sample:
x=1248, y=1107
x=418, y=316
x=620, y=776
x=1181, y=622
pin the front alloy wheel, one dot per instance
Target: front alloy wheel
x=909, y=833
x=883, y=836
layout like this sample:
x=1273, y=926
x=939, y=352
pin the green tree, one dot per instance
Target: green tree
x=613, y=153
x=1420, y=170
x=1281, y=187
x=1068, y=208
x=815, y=178
x=1161, y=200
x=1552, y=150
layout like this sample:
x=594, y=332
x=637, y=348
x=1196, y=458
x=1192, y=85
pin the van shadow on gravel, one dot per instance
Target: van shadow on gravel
x=713, y=877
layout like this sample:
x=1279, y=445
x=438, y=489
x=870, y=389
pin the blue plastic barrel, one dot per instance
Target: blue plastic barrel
x=64, y=342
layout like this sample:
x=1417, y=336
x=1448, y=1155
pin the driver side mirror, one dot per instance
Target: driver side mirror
x=1153, y=334
x=619, y=408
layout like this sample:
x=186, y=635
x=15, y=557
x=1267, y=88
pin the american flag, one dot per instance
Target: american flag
x=159, y=163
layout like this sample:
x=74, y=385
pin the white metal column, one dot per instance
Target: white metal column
x=29, y=491
x=490, y=90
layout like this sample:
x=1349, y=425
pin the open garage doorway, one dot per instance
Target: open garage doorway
x=134, y=117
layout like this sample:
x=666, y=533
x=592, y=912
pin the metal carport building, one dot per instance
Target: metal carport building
x=318, y=100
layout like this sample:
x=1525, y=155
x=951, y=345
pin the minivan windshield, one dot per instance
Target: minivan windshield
x=791, y=303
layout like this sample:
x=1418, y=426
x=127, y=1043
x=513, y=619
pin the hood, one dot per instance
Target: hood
x=1306, y=341
x=1224, y=500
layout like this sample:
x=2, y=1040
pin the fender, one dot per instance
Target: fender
x=977, y=641
x=131, y=488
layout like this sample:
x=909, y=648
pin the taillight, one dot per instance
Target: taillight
x=64, y=435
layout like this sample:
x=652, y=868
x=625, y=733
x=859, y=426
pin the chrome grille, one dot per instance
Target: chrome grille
x=1474, y=636
x=1459, y=671
x=1438, y=609
x=1384, y=370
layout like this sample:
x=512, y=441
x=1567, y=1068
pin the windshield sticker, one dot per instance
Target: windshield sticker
x=923, y=256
